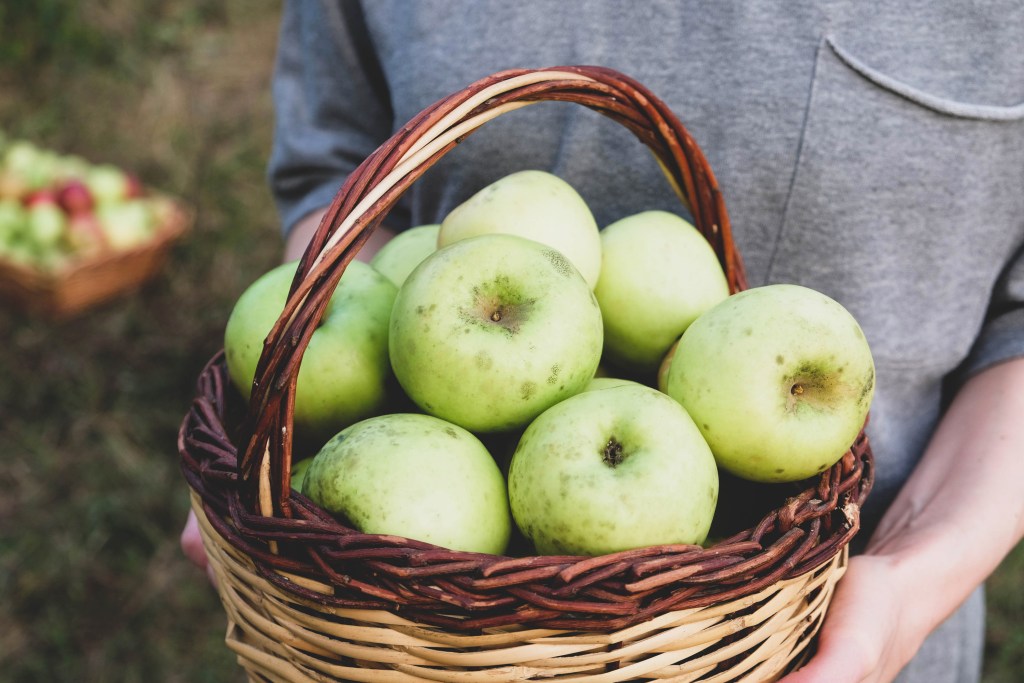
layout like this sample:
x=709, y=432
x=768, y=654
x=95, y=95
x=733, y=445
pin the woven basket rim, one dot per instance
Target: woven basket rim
x=239, y=467
x=758, y=635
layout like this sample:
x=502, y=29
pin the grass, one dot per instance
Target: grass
x=93, y=585
x=1004, y=641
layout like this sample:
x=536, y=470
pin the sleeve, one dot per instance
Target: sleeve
x=331, y=104
x=1002, y=335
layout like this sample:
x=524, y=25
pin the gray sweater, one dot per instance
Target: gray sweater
x=872, y=151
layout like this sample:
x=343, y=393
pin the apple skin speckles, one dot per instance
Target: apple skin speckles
x=611, y=469
x=488, y=333
x=785, y=402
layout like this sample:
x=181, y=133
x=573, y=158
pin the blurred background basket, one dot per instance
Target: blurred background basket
x=81, y=283
x=310, y=599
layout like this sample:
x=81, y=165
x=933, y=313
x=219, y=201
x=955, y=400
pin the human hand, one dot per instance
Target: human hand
x=963, y=494
x=302, y=232
x=870, y=632
x=192, y=546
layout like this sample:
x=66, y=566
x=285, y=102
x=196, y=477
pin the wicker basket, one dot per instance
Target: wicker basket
x=86, y=282
x=309, y=599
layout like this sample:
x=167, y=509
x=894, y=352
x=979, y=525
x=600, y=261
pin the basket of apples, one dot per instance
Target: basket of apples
x=75, y=233
x=520, y=511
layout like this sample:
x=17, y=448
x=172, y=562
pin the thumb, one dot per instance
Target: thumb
x=842, y=655
x=835, y=665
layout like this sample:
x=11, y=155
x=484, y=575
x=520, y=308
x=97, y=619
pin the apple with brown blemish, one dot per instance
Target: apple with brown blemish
x=415, y=476
x=613, y=469
x=490, y=331
x=779, y=380
x=345, y=375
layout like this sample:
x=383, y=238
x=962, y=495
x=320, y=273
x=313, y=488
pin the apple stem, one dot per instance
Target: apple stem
x=496, y=316
x=613, y=453
x=797, y=389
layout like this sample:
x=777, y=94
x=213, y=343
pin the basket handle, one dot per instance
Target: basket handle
x=375, y=186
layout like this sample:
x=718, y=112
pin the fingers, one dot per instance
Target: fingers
x=192, y=546
x=838, y=663
x=851, y=643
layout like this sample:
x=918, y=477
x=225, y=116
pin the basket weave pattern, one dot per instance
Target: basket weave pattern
x=308, y=596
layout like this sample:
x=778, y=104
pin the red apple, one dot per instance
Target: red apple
x=133, y=186
x=74, y=197
x=85, y=234
x=39, y=198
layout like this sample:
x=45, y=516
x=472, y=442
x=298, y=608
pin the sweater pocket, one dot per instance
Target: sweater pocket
x=939, y=104
x=904, y=204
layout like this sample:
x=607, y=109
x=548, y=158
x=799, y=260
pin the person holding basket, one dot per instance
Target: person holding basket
x=874, y=153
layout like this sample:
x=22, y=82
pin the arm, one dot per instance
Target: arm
x=954, y=521
x=331, y=110
x=301, y=234
x=325, y=126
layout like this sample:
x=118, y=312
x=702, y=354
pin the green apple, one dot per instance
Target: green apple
x=405, y=251
x=47, y=224
x=490, y=331
x=661, y=381
x=125, y=224
x=536, y=205
x=107, y=183
x=658, y=273
x=32, y=165
x=13, y=220
x=611, y=470
x=345, y=371
x=298, y=474
x=414, y=476
x=779, y=380
x=598, y=383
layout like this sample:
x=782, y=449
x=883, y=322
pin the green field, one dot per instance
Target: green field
x=93, y=586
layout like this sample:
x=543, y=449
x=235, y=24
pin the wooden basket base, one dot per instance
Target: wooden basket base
x=280, y=637
x=94, y=280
